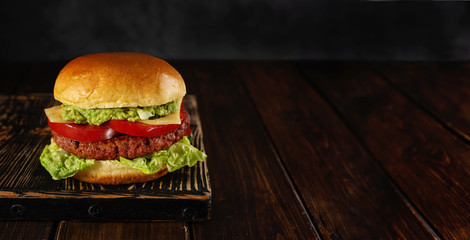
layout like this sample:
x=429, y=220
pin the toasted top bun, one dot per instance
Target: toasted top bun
x=118, y=79
x=112, y=173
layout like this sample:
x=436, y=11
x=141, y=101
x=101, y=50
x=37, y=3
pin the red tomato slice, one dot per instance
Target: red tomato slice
x=83, y=132
x=143, y=129
x=188, y=132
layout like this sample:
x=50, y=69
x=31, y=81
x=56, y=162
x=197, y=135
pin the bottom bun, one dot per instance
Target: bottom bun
x=112, y=173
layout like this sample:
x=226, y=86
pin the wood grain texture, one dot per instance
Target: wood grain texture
x=184, y=194
x=348, y=195
x=16, y=230
x=256, y=115
x=427, y=162
x=121, y=230
x=443, y=89
x=252, y=196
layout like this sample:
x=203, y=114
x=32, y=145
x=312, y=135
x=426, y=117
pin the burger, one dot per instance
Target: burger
x=122, y=120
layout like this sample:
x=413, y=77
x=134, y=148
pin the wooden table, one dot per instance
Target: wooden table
x=309, y=150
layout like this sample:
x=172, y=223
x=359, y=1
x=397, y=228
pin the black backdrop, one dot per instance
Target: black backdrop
x=237, y=29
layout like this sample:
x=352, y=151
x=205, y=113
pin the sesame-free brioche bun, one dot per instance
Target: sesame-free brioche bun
x=118, y=79
x=112, y=173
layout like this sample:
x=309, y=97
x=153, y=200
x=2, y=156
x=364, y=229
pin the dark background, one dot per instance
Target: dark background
x=237, y=29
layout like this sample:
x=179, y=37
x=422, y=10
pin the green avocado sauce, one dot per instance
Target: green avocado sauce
x=98, y=116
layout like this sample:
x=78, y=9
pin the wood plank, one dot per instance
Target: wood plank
x=121, y=230
x=427, y=162
x=181, y=195
x=348, y=195
x=441, y=88
x=26, y=230
x=21, y=229
x=252, y=196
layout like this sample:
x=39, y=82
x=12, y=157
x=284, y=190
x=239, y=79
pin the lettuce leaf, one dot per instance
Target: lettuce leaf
x=178, y=155
x=62, y=164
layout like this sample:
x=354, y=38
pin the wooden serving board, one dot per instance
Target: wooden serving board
x=27, y=191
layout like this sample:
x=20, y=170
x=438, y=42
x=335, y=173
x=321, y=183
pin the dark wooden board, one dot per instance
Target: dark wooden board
x=442, y=89
x=427, y=162
x=347, y=193
x=28, y=192
x=16, y=230
x=253, y=198
x=70, y=230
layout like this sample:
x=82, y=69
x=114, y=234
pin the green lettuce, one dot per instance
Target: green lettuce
x=61, y=164
x=98, y=116
x=178, y=155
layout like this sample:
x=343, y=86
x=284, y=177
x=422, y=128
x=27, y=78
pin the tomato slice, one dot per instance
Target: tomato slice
x=83, y=132
x=142, y=129
x=91, y=133
x=188, y=132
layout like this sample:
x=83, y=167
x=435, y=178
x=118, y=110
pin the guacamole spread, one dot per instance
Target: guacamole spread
x=98, y=116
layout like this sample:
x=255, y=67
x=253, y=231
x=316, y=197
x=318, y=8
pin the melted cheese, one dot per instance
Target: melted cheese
x=172, y=118
x=54, y=114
